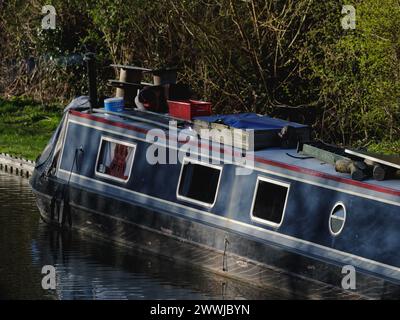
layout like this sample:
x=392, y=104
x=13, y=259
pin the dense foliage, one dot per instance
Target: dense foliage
x=278, y=57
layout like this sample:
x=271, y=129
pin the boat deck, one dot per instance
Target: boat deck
x=281, y=155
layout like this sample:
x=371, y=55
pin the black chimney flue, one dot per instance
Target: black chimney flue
x=90, y=59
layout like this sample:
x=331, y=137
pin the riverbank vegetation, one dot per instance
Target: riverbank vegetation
x=288, y=58
x=26, y=126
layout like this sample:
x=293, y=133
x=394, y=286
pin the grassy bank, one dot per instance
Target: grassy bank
x=26, y=126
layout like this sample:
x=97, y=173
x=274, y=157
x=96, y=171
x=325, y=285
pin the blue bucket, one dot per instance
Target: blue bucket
x=114, y=104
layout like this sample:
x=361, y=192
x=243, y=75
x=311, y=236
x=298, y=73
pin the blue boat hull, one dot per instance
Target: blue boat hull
x=214, y=249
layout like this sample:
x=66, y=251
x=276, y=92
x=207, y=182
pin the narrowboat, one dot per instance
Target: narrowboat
x=239, y=204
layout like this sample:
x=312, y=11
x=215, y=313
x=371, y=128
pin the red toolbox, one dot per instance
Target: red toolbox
x=189, y=109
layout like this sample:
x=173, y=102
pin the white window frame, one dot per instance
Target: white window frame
x=337, y=204
x=205, y=204
x=113, y=140
x=275, y=182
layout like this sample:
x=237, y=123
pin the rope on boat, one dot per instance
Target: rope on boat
x=224, y=259
x=297, y=157
x=60, y=201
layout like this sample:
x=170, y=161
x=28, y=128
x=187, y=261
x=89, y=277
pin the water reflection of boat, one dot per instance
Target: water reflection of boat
x=89, y=269
x=291, y=213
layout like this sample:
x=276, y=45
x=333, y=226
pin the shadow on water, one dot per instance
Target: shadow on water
x=87, y=268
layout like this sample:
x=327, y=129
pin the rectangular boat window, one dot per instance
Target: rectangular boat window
x=199, y=183
x=269, y=202
x=115, y=159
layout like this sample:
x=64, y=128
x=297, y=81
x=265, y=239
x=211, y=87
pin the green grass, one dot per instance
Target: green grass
x=386, y=147
x=26, y=126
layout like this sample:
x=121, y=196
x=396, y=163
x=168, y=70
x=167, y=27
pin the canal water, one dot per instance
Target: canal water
x=87, y=268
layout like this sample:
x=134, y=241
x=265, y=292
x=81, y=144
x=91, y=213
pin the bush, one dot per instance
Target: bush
x=285, y=58
x=359, y=75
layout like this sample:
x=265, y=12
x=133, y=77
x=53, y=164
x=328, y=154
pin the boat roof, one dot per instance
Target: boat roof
x=287, y=159
x=285, y=156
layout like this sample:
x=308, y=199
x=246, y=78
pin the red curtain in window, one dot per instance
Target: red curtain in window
x=118, y=164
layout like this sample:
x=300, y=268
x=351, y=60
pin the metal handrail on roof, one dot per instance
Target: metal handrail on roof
x=143, y=119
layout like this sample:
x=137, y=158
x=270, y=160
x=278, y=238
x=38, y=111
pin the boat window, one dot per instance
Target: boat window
x=269, y=202
x=199, y=182
x=337, y=219
x=115, y=159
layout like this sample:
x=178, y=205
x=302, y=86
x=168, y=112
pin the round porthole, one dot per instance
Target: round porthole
x=337, y=218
